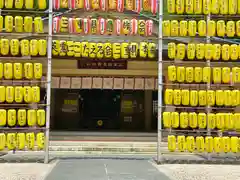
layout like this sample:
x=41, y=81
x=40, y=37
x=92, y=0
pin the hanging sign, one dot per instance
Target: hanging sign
x=65, y=82
x=102, y=64
x=149, y=83
x=107, y=83
x=139, y=83
x=76, y=83
x=97, y=83
x=118, y=83
x=55, y=82
x=86, y=83
x=128, y=83
x=71, y=103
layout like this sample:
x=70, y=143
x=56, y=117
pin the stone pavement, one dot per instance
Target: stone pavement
x=80, y=166
x=77, y=166
x=105, y=169
x=200, y=171
x=24, y=171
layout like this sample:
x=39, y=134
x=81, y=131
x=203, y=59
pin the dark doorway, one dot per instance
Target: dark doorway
x=132, y=110
x=100, y=109
x=67, y=110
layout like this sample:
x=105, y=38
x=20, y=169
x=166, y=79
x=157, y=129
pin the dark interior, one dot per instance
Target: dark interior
x=96, y=109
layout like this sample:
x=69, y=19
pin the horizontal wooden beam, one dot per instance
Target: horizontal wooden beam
x=143, y=65
x=104, y=72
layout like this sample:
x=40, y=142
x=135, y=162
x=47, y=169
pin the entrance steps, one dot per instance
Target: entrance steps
x=111, y=147
x=103, y=136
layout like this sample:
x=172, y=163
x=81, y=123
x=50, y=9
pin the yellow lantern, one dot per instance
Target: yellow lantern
x=172, y=143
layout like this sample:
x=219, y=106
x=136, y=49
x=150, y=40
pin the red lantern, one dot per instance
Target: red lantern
x=102, y=26
x=149, y=27
x=154, y=6
x=118, y=26
x=137, y=8
x=133, y=26
x=120, y=5
x=71, y=4
x=87, y=5
x=103, y=5
x=56, y=24
x=71, y=25
x=56, y=4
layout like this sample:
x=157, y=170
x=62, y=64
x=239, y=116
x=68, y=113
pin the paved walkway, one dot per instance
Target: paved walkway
x=200, y=171
x=24, y=171
x=105, y=169
x=77, y=166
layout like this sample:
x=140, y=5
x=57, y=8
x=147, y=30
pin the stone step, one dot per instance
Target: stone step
x=105, y=144
x=108, y=147
x=95, y=148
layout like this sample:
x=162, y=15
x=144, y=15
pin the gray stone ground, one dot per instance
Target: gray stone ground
x=79, y=166
x=76, y=166
x=24, y=171
x=105, y=169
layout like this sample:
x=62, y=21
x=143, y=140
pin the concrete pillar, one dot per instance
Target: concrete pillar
x=148, y=109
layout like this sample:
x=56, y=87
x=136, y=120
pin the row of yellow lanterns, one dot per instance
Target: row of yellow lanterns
x=21, y=4
x=223, y=121
x=201, y=51
x=20, y=24
x=201, y=28
x=223, y=7
x=22, y=117
x=23, y=47
x=104, y=50
x=22, y=141
x=99, y=50
x=203, y=74
x=200, y=144
x=193, y=98
x=21, y=70
x=19, y=94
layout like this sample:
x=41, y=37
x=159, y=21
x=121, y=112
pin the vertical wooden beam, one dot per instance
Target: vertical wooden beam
x=148, y=109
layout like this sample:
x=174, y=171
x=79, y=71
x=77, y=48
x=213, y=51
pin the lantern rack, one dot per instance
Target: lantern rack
x=41, y=12
x=215, y=135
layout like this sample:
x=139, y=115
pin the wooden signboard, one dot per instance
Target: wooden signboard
x=107, y=83
x=55, y=82
x=87, y=83
x=149, y=83
x=128, y=83
x=118, y=83
x=139, y=83
x=76, y=83
x=65, y=82
x=97, y=83
x=102, y=64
